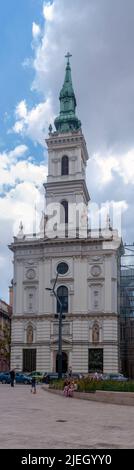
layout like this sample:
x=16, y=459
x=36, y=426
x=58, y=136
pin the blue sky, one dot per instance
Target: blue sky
x=35, y=36
x=16, y=20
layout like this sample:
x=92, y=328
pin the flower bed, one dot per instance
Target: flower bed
x=89, y=386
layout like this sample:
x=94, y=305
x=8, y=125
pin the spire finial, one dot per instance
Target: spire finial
x=67, y=56
x=67, y=121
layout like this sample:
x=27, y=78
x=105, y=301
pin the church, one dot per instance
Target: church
x=83, y=263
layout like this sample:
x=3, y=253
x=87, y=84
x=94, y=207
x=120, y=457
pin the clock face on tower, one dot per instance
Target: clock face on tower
x=30, y=274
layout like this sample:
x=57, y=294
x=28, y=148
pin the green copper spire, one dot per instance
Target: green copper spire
x=67, y=120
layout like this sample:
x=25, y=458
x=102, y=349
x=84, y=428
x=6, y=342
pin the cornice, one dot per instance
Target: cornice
x=82, y=247
x=70, y=139
x=51, y=343
x=69, y=316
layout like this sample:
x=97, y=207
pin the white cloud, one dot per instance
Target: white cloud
x=18, y=152
x=108, y=165
x=48, y=11
x=36, y=31
x=13, y=155
x=21, y=110
x=34, y=123
x=19, y=204
x=25, y=181
x=102, y=72
x=13, y=171
x=8, y=165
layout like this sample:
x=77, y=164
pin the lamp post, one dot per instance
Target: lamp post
x=60, y=328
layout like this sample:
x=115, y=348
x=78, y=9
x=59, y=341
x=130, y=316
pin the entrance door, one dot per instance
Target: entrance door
x=64, y=362
x=29, y=360
x=95, y=360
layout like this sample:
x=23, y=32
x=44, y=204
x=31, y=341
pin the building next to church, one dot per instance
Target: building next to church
x=5, y=335
x=88, y=267
x=127, y=321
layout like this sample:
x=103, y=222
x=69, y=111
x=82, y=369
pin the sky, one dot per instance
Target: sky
x=35, y=36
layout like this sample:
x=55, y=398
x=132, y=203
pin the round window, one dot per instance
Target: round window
x=62, y=268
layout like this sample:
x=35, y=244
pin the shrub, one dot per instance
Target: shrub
x=86, y=385
x=89, y=385
x=114, y=386
x=57, y=384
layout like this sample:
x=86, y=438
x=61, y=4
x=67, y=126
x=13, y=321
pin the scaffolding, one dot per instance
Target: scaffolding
x=127, y=311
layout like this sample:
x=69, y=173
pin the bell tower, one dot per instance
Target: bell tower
x=67, y=151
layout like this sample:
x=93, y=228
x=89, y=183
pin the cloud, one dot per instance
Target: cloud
x=36, y=31
x=48, y=11
x=107, y=166
x=34, y=123
x=101, y=44
x=100, y=36
x=13, y=171
x=102, y=47
x=21, y=183
x=24, y=180
x=18, y=204
x=21, y=110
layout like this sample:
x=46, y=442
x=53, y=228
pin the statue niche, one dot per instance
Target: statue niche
x=95, y=333
x=30, y=334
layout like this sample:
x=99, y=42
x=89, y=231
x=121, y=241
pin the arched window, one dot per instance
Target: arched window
x=65, y=165
x=95, y=333
x=29, y=334
x=64, y=215
x=62, y=293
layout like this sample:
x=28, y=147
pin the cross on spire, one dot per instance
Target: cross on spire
x=67, y=56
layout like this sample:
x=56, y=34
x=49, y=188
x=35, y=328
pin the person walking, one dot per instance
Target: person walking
x=33, y=385
x=12, y=377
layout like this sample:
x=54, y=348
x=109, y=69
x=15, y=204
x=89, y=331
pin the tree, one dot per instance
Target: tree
x=5, y=341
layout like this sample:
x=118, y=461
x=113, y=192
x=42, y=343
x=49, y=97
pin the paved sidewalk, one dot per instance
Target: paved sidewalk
x=50, y=421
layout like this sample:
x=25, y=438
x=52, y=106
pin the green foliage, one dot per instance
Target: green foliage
x=57, y=384
x=86, y=385
x=115, y=386
x=83, y=385
x=5, y=342
x=89, y=385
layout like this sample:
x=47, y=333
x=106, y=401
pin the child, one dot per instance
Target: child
x=66, y=386
x=68, y=389
x=33, y=383
x=71, y=389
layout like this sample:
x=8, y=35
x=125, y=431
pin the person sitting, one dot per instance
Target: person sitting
x=66, y=387
x=71, y=389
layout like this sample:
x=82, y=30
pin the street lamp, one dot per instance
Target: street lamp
x=60, y=328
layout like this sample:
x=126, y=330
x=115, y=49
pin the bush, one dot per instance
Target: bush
x=114, y=386
x=86, y=385
x=89, y=385
x=57, y=384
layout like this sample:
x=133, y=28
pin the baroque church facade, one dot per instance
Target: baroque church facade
x=88, y=267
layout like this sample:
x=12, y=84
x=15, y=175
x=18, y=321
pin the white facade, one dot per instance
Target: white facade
x=90, y=326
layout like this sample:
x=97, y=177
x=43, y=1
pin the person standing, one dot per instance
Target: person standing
x=12, y=377
x=70, y=372
x=33, y=385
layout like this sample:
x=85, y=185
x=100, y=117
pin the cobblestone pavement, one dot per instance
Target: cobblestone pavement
x=50, y=421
